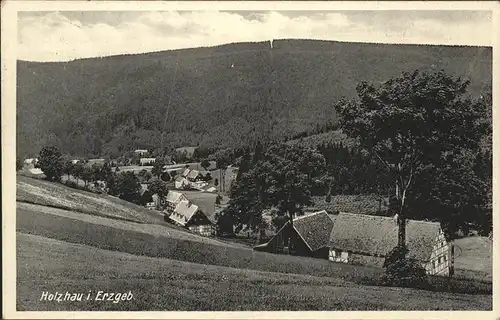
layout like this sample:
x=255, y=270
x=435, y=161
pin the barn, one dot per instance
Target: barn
x=367, y=239
x=309, y=236
x=362, y=239
x=189, y=215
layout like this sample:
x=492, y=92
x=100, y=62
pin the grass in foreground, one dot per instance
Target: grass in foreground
x=142, y=240
x=161, y=284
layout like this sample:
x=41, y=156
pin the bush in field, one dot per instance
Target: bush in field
x=51, y=163
x=403, y=271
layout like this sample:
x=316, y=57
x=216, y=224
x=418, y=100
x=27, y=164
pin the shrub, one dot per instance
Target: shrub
x=403, y=271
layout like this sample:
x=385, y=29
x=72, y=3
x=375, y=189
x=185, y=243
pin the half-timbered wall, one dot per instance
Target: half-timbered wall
x=440, y=260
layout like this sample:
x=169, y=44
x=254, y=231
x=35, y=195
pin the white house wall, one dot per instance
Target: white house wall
x=440, y=260
x=338, y=256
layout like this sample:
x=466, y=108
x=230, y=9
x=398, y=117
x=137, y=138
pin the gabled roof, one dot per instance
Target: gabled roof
x=185, y=172
x=193, y=174
x=173, y=196
x=314, y=228
x=180, y=179
x=377, y=236
x=205, y=202
x=183, y=212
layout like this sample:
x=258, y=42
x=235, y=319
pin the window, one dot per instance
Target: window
x=434, y=263
x=444, y=258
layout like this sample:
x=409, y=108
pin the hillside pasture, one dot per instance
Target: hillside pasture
x=474, y=258
x=159, y=241
x=165, y=285
x=57, y=195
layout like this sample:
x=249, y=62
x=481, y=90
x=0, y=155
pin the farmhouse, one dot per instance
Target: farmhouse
x=189, y=215
x=309, y=236
x=173, y=199
x=368, y=239
x=362, y=239
x=181, y=183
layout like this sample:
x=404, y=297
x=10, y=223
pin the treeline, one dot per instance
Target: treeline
x=103, y=178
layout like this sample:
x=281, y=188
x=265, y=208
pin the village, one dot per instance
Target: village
x=351, y=232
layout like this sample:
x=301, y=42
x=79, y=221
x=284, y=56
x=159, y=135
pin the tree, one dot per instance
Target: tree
x=282, y=179
x=158, y=167
x=51, y=163
x=68, y=168
x=286, y=176
x=77, y=170
x=87, y=174
x=159, y=188
x=218, y=199
x=409, y=123
x=205, y=164
x=128, y=187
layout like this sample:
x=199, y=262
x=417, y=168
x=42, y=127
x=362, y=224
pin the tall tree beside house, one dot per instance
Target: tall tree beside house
x=245, y=207
x=158, y=167
x=283, y=179
x=128, y=186
x=51, y=163
x=410, y=123
x=205, y=164
x=87, y=174
x=68, y=168
x=159, y=188
x=288, y=174
x=77, y=170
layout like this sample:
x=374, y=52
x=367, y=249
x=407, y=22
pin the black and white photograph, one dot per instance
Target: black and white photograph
x=249, y=158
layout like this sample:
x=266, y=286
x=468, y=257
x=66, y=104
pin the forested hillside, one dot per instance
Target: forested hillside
x=225, y=96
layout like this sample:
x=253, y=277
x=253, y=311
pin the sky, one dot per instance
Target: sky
x=69, y=35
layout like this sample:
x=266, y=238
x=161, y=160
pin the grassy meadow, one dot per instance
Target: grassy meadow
x=165, y=284
x=78, y=241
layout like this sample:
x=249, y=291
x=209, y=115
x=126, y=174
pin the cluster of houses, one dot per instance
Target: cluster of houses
x=332, y=234
x=362, y=239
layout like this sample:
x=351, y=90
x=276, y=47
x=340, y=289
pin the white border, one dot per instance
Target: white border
x=9, y=38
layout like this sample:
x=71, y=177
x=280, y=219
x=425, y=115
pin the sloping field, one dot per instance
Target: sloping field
x=162, y=284
x=56, y=195
x=157, y=241
x=474, y=258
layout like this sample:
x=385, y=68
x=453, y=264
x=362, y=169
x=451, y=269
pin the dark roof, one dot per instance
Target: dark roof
x=363, y=204
x=315, y=229
x=377, y=236
x=204, y=200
